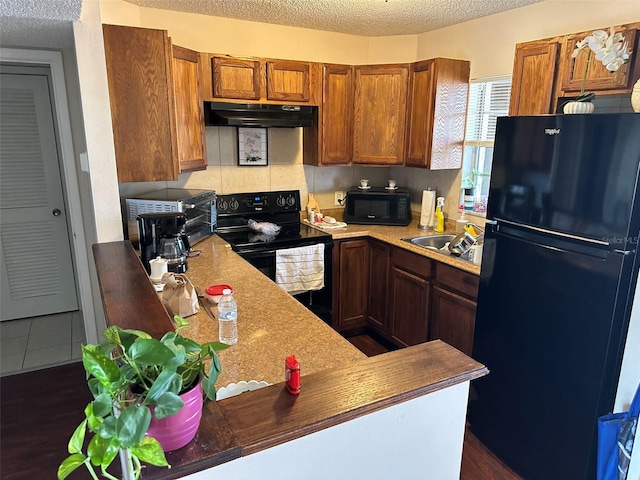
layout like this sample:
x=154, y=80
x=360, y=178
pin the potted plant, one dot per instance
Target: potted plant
x=134, y=377
x=610, y=49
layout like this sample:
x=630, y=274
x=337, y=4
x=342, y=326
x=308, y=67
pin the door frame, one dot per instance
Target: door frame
x=71, y=192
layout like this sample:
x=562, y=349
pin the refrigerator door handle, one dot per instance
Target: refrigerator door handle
x=552, y=233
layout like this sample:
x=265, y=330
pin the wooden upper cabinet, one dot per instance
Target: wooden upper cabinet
x=598, y=77
x=380, y=106
x=259, y=79
x=235, y=78
x=534, y=76
x=189, y=113
x=438, y=92
x=139, y=75
x=336, y=126
x=288, y=80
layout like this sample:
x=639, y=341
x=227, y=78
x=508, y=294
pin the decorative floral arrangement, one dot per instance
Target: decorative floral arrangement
x=611, y=50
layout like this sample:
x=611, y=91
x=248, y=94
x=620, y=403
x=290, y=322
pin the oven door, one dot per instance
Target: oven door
x=318, y=301
x=264, y=260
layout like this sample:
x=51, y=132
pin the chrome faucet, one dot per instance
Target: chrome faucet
x=477, y=228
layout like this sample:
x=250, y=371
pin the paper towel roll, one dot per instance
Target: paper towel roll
x=427, y=213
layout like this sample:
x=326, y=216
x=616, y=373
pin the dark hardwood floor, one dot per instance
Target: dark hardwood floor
x=39, y=411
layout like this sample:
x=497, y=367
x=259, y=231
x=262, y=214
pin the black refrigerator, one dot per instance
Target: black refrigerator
x=558, y=275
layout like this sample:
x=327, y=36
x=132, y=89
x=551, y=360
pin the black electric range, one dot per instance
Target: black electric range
x=281, y=208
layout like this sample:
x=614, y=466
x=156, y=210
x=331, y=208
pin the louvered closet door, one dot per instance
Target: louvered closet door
x=37, y=273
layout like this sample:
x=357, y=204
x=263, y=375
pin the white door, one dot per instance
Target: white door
x=37, y=275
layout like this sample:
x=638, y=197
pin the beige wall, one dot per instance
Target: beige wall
x=487, y=42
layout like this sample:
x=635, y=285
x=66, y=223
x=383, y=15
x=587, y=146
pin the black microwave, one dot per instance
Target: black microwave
x=378, y=206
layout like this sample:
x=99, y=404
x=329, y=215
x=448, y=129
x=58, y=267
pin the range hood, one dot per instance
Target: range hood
x=258, y=115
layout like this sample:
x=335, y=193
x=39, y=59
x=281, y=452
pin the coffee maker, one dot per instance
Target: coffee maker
x=163, y=235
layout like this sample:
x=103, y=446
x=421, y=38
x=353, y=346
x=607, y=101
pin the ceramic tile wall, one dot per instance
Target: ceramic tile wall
x=285, y=170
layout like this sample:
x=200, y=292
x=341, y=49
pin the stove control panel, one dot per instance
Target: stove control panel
x=264, y=202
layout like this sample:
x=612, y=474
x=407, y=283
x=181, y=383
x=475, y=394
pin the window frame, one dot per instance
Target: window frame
x=483, y=109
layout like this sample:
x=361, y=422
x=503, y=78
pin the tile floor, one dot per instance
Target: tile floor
x=38, y=342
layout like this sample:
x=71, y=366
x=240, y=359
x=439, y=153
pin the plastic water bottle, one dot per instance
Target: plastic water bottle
x=228, y=318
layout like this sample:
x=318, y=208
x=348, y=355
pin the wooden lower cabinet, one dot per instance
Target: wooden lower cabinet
x=351, y=283
x=410, y=287
x=409, y=311
x=403, y=296
x=452, y=319
x=378, y=285
x=453, y=307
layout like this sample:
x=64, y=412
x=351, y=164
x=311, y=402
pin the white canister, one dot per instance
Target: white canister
x=159, y=266
x=475, y=254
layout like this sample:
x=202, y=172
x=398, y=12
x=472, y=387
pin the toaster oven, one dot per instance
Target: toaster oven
x=378, y=206
x=198, y=205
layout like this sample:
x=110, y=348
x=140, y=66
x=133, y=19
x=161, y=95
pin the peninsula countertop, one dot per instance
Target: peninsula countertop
x=339, y=383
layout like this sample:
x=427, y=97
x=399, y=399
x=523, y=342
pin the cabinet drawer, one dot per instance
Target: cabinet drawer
x=411, y=262
x=457, y=280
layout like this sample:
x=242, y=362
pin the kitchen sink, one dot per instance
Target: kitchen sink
x=433, y=242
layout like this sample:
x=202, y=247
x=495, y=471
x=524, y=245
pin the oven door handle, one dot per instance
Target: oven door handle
x=257, y=253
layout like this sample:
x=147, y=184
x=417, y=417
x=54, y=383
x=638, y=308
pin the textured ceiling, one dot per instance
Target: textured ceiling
x=38, y=23
x=370, y=18
x=47, y=23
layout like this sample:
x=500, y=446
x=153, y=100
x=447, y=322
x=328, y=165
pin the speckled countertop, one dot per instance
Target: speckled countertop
x=271, y=324
x=394, y=236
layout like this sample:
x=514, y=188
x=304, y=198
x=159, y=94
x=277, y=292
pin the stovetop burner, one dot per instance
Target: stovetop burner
x=281, y=208
x=250, y=240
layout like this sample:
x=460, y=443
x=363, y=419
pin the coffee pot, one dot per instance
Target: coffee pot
x=163, y=235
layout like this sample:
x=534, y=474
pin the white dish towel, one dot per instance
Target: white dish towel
x=300, y=269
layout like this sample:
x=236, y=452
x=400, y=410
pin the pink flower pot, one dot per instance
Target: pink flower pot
x=177, y=430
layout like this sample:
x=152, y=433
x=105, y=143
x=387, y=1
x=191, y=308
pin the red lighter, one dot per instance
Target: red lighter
x=292, y=375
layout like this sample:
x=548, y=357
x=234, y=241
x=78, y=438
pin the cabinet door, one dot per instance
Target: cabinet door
x=380, y=106
x=142, y=104
x=452, y=319
x=437, y=113
x=337, y=114
x=236, y=78
x=192, y=153
x=420, y=119
x=409, y=309
x=288, y=80
x=534, y=76
x=378, y=285
x=598, y=77
x=353, y=283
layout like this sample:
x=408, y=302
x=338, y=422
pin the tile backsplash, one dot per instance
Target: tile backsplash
x=285, y=171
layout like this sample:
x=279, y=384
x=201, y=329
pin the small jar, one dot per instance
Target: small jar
x=312, y=215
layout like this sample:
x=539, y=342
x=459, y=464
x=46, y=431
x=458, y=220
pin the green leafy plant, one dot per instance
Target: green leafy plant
x=128, y=373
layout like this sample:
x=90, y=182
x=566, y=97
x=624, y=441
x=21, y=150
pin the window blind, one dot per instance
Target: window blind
x=488, y=100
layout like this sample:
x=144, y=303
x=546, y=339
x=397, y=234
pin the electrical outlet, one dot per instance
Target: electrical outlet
x=338, y=198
